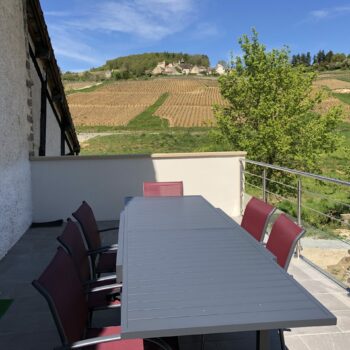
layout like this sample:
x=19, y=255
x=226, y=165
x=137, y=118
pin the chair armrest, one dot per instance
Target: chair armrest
x=101, y=279
x=108, y=286
x=107, y=249
x=94, y=341
x=109, y=229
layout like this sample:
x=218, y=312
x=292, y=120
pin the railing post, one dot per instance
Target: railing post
x=241, y=184
x=264, y=196
x=299, y=201
x=299, y=247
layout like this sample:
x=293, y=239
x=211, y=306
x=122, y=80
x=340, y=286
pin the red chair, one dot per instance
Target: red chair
x=103, y=292
x=163, y=189
x=283, y=239
x=256, y=217
x=59, y=284
x=103, y=257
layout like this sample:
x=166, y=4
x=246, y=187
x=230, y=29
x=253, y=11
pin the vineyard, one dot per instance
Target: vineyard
x=189, y=103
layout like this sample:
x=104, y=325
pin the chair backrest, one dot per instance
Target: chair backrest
x=62, y=289
x=72, y=241
x=256, y=217
x=283, y=239
x=163, y=189
x=87, y=221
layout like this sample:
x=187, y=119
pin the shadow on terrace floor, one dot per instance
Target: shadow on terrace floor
x=29, y=325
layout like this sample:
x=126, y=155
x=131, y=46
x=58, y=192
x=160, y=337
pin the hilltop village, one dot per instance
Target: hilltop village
x=182, y=68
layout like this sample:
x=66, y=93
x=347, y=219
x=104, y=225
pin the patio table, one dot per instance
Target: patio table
x=189, y=269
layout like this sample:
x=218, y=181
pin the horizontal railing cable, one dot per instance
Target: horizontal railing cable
x=298, y=172
x=325, y=196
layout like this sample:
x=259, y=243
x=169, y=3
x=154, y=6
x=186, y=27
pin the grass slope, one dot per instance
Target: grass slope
x=343, y=75
x=343, y=97
x=147, y=120
x=151, y=142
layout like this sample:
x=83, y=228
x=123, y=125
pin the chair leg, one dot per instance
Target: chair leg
x=283, y=344
x=90, y=319
x=159, y=342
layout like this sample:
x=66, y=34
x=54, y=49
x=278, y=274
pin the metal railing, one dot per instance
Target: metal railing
x=295, y=192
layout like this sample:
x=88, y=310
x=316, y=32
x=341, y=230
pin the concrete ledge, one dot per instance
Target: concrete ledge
x=151, y=156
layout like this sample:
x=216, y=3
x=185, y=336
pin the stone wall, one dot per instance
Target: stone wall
x=16, y=134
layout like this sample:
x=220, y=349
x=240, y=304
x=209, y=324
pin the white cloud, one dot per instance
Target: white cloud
x=166, y=5
x=320, y=14
x=147, y=19
x=330, y=12
x=56, y=13
x=70, y=46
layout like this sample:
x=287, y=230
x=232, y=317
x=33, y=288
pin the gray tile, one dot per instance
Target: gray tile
x=295, y=343
x=298, y=274
x=339, y=341
x=312, y=330
x=332, y=302
x=343, y=320
x=320, y=286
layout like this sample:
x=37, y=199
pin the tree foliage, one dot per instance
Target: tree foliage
x=271, y=109
x=322, y=60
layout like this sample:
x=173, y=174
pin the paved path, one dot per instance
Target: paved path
x=85, y=136
x=308, y=242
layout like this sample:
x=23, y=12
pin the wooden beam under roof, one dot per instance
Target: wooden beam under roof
x=43, y=51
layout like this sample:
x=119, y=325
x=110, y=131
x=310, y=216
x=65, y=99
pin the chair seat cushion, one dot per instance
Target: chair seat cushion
x=106, y=263
x=129, y=344
x=101, y=300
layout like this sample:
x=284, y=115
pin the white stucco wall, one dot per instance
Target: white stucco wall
x=53, y=133
x=15, y=181
x=60, y=184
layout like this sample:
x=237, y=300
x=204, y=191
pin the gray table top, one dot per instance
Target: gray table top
x=189, y=269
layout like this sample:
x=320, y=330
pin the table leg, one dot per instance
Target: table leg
x=202, y=342
x=263, y=340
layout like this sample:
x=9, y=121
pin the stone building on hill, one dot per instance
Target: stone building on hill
x=220, y=69
x=182, y=68
x=179, y=68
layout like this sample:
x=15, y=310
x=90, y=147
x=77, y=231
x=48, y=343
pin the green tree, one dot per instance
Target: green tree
x=329, y=56
x=320, y=57
x=308, y=59
x=223, y=63
x=338, y=57
x=271, y=110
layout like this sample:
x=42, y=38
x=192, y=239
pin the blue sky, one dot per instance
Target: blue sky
x=85, y=33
